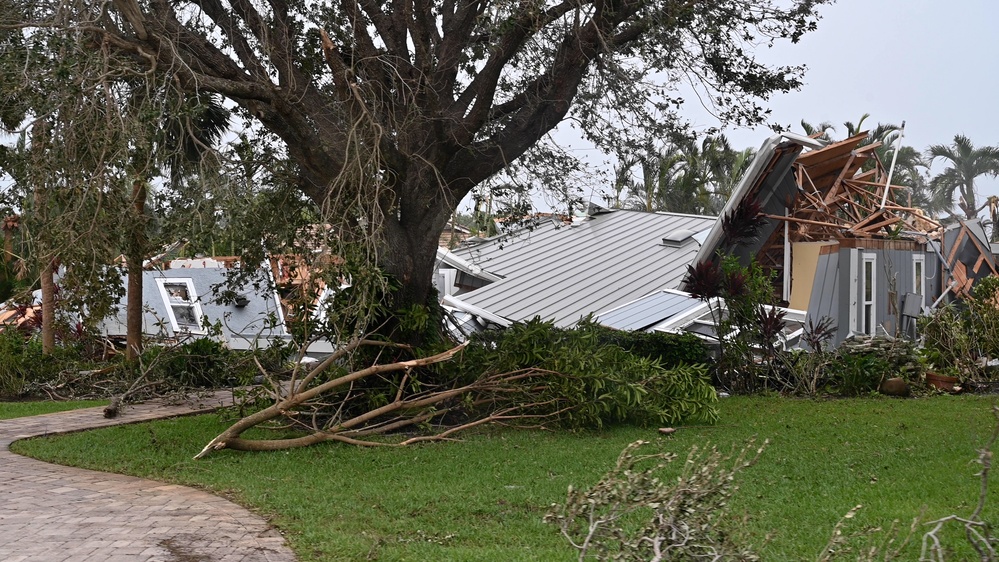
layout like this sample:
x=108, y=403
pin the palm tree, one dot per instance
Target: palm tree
x=685, y=177
x=912, y=171
x=623, y=182
x=966, y=163
x=724, y=169
x=186, y=136
x=820, y=131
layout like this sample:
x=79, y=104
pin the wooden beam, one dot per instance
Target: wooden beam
x=957, y=244
x=803, y=221
x=978, y=264
x=880, y=225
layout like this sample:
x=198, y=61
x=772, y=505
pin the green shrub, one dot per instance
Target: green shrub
x=860, y=373
x=949, y=341
x=13, y=368
x=669, y=349
x=23, y=366
x=982, y=316
x=582, y=383
x=196, y=363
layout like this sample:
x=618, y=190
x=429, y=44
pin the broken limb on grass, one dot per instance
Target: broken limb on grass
x=348, y=430
x=513, y=396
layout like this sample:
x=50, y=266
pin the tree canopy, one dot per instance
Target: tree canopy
x=389, y=113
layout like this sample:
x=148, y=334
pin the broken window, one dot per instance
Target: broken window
x=182, y=305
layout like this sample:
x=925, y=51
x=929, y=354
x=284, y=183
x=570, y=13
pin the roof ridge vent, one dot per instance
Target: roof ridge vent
x=679, y=238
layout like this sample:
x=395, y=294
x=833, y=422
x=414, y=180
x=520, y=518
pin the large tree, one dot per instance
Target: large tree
x=391, y=112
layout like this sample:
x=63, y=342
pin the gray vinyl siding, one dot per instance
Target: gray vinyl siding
x=824, y=301
x=889, y=264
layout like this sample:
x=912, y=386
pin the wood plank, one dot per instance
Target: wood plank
x=957, y=244
x=830, y=151
x=878, y=226
x=867, y=220
x=978, y=264
x=803, y=221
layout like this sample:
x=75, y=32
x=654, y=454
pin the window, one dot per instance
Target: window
x=868, y=292
x=182, y=305
x=918, y=274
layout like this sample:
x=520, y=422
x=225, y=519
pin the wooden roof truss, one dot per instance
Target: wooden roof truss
x=842, y=194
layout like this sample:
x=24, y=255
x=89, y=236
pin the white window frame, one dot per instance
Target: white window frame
x=868, y=306
x=919, y=274
x=192, y=303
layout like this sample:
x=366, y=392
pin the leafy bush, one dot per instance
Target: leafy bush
x=16, y=363
x=575, y=379
x=197, y=363
x=23, y=367
x=982, y=316
x=949, y=341
x=669, y=349
x=858, y=373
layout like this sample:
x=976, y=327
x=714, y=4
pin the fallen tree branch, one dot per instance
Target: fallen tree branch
x=299, y=394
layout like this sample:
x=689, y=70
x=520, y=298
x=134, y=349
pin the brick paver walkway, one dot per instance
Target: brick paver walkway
x=51, y=513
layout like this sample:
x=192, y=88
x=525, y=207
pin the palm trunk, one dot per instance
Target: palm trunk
x=48, y=303
x=46, y=272
x=133, y=258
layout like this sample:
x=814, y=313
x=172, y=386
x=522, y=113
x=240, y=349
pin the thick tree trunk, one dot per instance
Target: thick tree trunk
x=411, y=243
x=133, y=298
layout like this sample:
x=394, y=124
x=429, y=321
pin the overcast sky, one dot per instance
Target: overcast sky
x=934, y=65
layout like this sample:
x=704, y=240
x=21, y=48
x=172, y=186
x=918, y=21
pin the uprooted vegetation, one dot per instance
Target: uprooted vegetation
x=83, y=367
x=379, y=393
x=529, y=375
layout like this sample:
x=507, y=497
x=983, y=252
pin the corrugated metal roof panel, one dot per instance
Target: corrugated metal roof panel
x=564, y=273
x=648, y=311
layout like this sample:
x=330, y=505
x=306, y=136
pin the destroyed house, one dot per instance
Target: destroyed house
x=841, y=241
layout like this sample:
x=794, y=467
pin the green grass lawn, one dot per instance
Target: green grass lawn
x=10, y=410
x=483, y=498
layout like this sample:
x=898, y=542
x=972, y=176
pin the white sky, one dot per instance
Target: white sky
x=931, y=64
x=934, y=65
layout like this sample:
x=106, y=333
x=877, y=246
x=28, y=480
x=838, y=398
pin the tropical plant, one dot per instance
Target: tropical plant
x=684, y=176
x=819, y=131
x=965, y=163
x=948, y=345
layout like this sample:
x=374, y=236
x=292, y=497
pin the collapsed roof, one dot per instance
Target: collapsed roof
x=563, y=273
x=838, y=191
